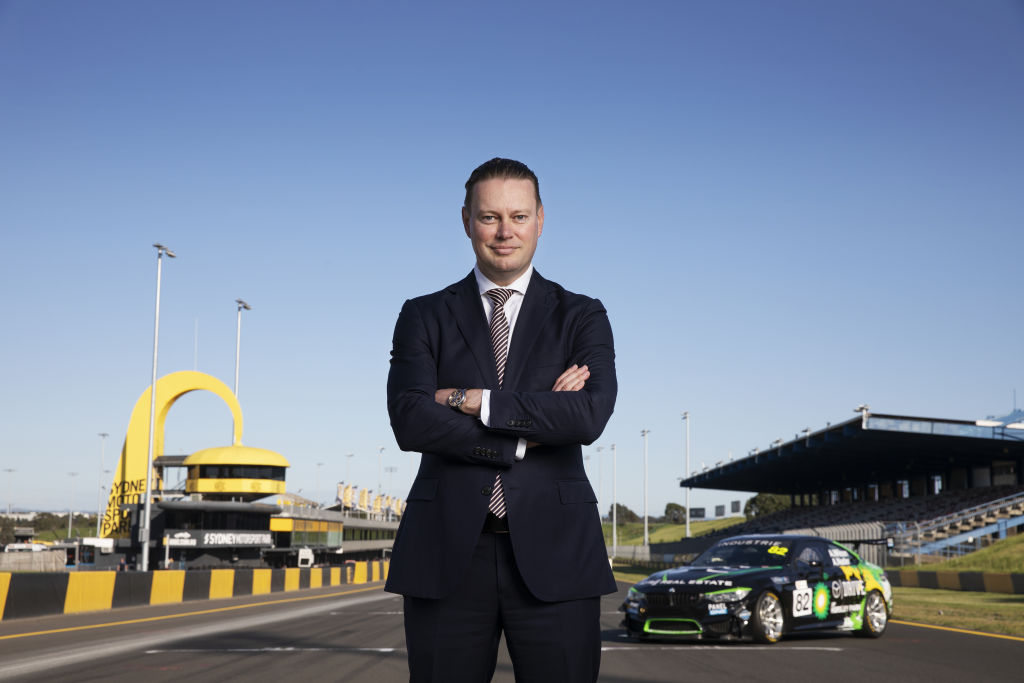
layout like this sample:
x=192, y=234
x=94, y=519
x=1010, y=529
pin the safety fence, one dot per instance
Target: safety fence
x=39, y=594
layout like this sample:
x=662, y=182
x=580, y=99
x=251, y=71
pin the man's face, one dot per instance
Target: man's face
x=503, y=222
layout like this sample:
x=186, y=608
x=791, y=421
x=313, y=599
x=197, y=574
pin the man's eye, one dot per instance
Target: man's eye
x=521, y=217
x=487, y=219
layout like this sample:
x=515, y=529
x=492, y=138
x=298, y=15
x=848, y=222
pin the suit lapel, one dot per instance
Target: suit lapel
x=468, y=312
x=538, y=304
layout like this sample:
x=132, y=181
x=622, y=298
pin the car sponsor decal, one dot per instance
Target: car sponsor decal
x=738, y=572
x=844, y=609
x=847, y=589
x=803, y=600
x=751, y=541
x=779, y=550
x=840, y=557
x=874, y=579
x=720, y=608
x=821, y=601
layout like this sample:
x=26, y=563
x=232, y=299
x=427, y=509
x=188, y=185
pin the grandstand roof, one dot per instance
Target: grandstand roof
x=868, y=449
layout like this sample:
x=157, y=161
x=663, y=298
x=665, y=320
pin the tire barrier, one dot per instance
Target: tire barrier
x=39, y=594
x=985, y=582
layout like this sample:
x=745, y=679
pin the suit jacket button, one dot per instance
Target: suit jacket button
x=511, y=423
x=486, y=490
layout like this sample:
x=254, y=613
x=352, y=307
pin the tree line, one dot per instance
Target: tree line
x=760, y=505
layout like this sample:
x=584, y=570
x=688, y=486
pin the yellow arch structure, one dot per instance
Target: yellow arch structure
x=130, y=476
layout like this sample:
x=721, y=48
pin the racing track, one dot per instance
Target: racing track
x=355, y=634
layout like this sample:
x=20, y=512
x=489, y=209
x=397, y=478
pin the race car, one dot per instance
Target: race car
x=762, y=587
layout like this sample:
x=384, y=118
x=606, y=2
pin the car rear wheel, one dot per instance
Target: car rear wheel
x=876, y=615
x=769, y=620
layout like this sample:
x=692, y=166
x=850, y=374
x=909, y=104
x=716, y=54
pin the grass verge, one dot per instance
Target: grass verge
x=1002, y=556
x=987, y=612
x=662, y=532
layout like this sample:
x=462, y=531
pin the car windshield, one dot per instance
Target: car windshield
x=747, y=553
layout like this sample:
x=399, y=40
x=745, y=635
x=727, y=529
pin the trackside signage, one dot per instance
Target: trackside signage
x=216, y=539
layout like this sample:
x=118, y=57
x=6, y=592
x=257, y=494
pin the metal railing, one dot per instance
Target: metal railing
x=944, y=536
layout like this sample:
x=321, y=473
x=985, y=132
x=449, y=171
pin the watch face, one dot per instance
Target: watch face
x=457, y=398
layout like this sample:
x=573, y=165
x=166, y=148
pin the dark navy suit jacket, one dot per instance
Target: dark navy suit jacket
x=443, y=340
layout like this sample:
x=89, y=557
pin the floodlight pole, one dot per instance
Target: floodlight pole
x=10, y=486
x=686, y=469
x=238, y=347
x=615, y=509
x=647, y=538
x=71, y=501
x=147, y=490
x=318, y=480
x=238, y=338
x=99, y=491
x=380, y=469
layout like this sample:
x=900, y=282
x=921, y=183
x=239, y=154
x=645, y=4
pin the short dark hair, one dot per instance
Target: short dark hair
x=508, y=169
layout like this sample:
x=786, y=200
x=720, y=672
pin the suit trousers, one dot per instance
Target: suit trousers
x=455, y=639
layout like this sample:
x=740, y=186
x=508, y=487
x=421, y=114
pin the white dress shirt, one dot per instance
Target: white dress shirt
x=512, y=306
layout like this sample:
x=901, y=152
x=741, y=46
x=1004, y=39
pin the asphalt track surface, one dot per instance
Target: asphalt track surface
x=354, y=633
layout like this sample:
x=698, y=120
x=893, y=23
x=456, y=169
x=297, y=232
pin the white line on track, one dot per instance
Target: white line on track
x=275, y=650
x=730, y=648
x=37, y=663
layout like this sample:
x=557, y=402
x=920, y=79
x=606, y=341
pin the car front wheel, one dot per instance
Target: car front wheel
x=768, y=620
x=876, y=615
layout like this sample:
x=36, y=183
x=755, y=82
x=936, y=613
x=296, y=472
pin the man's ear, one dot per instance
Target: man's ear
x=465, y=220
x=540, y=219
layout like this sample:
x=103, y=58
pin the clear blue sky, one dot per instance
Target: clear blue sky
x=788, y=208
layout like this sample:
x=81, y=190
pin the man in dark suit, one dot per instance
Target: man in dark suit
x=497, y=380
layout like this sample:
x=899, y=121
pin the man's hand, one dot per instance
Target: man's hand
x=572, y=379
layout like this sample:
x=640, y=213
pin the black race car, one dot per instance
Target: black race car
x=762, y=587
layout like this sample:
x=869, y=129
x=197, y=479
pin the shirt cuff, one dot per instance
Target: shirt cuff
x=520, y=449
x=485, y=407
x=485, y=417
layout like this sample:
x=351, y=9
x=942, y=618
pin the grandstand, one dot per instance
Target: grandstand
x=930, y=487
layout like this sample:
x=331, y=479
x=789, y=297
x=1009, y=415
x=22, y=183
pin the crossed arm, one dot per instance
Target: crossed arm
x=573, y=411
x=572, y=379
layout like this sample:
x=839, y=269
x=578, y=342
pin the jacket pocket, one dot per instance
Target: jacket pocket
x=423, y=489
x=576, y=491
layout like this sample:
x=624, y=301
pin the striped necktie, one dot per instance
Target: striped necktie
x=499, y=340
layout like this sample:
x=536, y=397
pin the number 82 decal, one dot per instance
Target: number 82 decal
x=802, y=602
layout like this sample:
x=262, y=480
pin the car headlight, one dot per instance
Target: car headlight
x=635, y=596
x=731, y=595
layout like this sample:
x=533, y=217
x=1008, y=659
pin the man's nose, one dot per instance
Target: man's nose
x=505, y=229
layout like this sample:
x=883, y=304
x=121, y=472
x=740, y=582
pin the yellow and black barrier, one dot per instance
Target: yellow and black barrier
x=987, y=582
x=39, y=594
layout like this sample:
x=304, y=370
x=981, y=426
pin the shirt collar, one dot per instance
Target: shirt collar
x=518, y=285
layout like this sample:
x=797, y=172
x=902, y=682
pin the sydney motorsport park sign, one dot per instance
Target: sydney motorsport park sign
x=216, y=539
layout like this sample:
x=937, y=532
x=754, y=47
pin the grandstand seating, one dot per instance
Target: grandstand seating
x=929, y=518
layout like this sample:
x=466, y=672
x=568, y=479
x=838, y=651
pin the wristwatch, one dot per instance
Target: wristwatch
x=457, y=398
